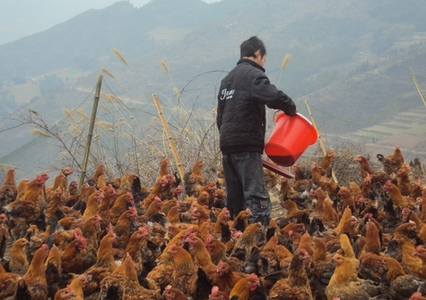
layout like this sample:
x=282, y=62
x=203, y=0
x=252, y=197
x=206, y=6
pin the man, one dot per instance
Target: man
x=241, y=118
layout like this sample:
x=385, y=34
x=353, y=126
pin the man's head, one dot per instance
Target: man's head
x=253, y=49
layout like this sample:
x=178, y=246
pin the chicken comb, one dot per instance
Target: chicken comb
x=82, y=240
x=70, y=289
x=215, y=289
x=254, y=277
x=143, y=230
x=156, y=198
x=133, y=210
x=209, y=239
x=220, y=264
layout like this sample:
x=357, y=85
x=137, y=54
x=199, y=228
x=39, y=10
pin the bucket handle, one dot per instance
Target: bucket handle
x=275, y=115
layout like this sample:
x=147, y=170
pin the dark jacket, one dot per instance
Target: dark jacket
x=243, y=94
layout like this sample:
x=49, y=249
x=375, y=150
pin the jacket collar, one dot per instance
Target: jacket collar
x=246, y=60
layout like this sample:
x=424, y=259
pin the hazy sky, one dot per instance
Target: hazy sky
x=20, y=18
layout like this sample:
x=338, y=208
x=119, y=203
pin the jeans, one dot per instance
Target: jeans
x=245, y=184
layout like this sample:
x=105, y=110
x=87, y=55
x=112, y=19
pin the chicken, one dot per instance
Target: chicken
x=8, y=190
x=247, y=241
x=316, y=173
x=321, y=268
x=395, y=195
x=65, y=294
x=329, y=214
x=293, y=212
x=326, y=163
x=346, y=197
x=53, y=271
x=60, y=180
x=8, y=283
x=184, y=273
x=375, y=176
x=403, y=181
x=77, y=284
x=123, y=283
x=34, y=280
x=216, y=248
x=123, y=228
x=194, y=180
x=121, y=204
x=18, y=258
x=170, y=293
x=226, y=278
x=393, y=162
x=27, y=209
x=296, y=286
x=401, y=285
x=104, y=264
x=345, y=283
x=248, y=288
x=5, y=237
x=92, y=206
x=241, y=221
x=138, y=241
x=72, y=257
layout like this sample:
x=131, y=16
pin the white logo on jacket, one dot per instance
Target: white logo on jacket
x=225, y=94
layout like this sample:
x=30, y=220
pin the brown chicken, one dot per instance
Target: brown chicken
x=392, y=162
x=395, y=195
x=345, y=283
x=247, y=241
x=33, y=285
x=321, y=268
x=92, y=206
x=184, y=273
x=122, y=228
x=123, y=283
x=18, y=258
x=53, y=271
x=329, y=215
x=194, y=180
x=78, y=283
x=26, y=209
x=401, y=284
x=66, y=293
x=121, y=204
x=226, y=277
x=170, y=293
x=296, y=286
x=8, y=283
x=246, y=287
x=104, y=265
x=73, y=258
x=8, y=190
x=375, y=176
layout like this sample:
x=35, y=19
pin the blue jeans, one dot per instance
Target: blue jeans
x=245, y=184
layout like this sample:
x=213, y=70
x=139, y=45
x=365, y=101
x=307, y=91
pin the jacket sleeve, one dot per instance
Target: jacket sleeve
x=267, y=93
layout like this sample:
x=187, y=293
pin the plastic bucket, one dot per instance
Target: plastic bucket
x=291, y=136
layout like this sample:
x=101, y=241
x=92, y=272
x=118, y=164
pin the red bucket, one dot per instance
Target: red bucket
x=291, y=136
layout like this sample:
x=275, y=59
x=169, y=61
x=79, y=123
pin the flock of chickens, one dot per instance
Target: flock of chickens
x=118, y=239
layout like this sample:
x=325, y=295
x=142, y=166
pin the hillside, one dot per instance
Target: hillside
x=350, y=61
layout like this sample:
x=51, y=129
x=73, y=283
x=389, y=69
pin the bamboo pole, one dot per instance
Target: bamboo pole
x=417, y=86
x=324, y=150
x=169, y=136
x=91, y=126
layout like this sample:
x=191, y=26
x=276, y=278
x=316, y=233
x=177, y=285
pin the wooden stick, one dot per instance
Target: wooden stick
x=169, y=136
x=91, y=126
x=319, y=139
x=417, y=86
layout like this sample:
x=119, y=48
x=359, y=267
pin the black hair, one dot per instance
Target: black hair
x=250, y=46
